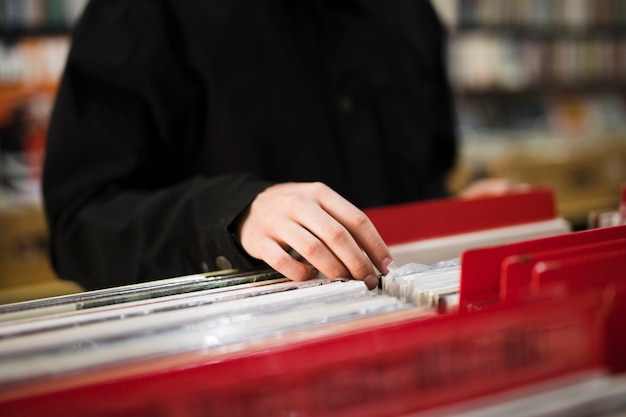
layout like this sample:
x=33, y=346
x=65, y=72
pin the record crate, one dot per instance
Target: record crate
x=534, y=314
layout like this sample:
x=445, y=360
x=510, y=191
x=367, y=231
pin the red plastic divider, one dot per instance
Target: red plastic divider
x=411, y=222
x=517, y=270
x=481, y=270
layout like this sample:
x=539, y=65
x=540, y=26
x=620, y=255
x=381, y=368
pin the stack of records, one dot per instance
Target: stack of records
x=434, y=286
x=215, y=315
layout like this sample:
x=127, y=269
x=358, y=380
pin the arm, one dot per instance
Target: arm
x=124, y=205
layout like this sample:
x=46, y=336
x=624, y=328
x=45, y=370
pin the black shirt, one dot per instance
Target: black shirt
x=172, y=115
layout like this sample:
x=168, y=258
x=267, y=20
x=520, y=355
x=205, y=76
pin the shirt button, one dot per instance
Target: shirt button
x=222, y=262
x=345, y=104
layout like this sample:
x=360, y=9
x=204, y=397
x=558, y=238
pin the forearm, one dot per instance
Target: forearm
x=132, y=236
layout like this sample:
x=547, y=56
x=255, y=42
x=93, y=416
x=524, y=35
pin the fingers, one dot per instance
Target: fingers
x=340, y=230
x=331, y=234
x=282, y=261
x=359, y=227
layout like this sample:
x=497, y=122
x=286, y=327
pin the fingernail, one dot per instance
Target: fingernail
x=388, y=264
x=371, y=281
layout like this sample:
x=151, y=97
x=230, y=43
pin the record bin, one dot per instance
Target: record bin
x=539, y=320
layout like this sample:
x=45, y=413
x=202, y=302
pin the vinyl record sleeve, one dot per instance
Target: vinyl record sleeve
x=127, y=293
x=136, y=325
x=216, y=327
x=417, y=283
x=112, y=371
x=150, y=306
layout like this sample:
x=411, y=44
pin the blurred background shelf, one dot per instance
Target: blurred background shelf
x=25, y=271
x=34, y=42
x=539, y=90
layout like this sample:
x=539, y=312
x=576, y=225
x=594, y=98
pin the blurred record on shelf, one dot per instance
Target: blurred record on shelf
x=448, y=303
x=435, y=286
x=214, y=328
x=157, y=322
x=134, y=292
x=149, y=306
x=604, y=218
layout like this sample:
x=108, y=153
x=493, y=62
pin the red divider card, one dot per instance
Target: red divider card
x=411, y=222
x=517, y=269
x=595, y=270
x=614, y=332
x=481, y=268
x=603, y=273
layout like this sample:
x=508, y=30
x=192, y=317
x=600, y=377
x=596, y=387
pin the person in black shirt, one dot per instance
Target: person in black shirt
x=198, y=135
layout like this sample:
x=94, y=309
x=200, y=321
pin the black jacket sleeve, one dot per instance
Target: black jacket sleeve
x=120, y=204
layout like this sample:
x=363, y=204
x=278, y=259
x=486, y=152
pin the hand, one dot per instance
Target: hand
x=490, y=187
x=330, y=234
